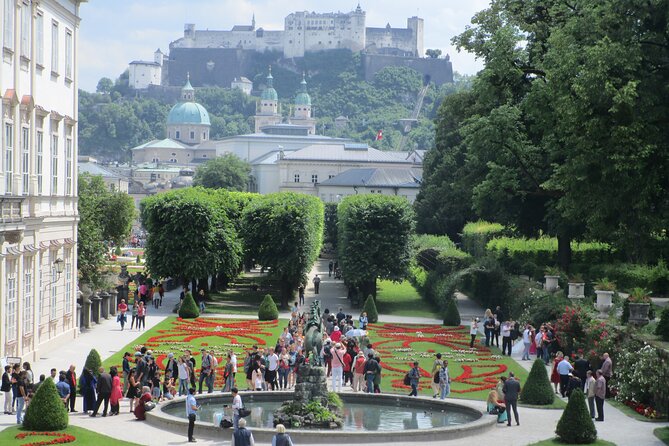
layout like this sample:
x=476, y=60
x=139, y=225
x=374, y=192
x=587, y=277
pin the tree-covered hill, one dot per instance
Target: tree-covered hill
x=114, y=119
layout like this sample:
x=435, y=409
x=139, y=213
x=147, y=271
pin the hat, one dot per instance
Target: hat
x=138, y=354
x=337, y=345
x=149, y=352
x=336, y=328
x=170, y=355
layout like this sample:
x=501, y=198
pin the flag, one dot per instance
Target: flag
x=379, y=135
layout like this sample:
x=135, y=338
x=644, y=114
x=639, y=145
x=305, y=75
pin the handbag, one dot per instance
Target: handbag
x=494, y=411
x=149, y=406
x=436, y=378
x=244, y=412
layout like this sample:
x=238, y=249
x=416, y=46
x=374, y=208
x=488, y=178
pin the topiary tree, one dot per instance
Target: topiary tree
x=575, y=425
x=370, y=309
x=662, y=329
x=189, y=309
x=451, y=313
x=537, y=389
x=93, y=363
x=46, y=411
x=268, y=310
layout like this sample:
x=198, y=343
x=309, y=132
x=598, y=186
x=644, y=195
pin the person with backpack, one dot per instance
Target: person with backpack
x=248, y=367
x=436, y=368
x=414, y=378
x=371, y=369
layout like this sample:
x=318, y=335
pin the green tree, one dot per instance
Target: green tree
x=46, y=411
x=283, y=233
x=93, y=362
x=119, y=213
x=267, y=310
x=537, y=390
x=224, y=172
x=188, y=308
x=433, y=54
x=330, y=224
x=370, y=308
x=575, y=425
x=105, y=85
x=374, y=236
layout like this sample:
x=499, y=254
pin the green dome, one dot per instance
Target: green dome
x=188, y=113
x=303, y=99
x=269, y=94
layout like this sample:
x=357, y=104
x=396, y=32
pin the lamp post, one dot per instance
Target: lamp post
x=59, y=266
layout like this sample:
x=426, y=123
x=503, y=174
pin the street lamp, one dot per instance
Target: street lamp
x=59, y=266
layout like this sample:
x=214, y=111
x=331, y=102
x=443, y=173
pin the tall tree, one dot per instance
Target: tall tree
x=224, y=172
x=374, y=233
x=283, y=233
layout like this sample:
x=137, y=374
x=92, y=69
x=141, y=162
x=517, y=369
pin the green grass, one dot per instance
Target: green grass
x=632, y=413
x=402, y=299
x=555, y=441
x=557, y=404
x=238, y=301
x=83, y=437
x=663, y=434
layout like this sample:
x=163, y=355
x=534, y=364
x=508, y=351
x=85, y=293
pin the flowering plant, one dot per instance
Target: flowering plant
x=60, y=438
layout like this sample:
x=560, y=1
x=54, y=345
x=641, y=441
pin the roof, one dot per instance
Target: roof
x=269, y=94
x=188, y=113
x=96, y=170
x=243, y=80
x=144, y=62
x=376, y=177
x=166, y=143
x=242, y=28
x=355, y=152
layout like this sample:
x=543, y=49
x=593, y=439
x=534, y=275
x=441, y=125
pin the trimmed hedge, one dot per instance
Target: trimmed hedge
x=451, y=314
x=475, y=236
x=662, y=329
x=486, y=283
x=267, y=311
x=370, y=309
x=189, y=309
x=631, y=275
x=46, y=411
x=439, y=253
x=537, y=389
x=575, y=425
x=93, y=362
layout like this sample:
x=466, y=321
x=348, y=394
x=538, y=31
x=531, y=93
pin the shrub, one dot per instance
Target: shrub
x=575, y=425
x=475, y=236
x=267, y=311
x=46, y=411
x=631, y=275
x=662, y=329
x=117, y=251
x=93, y=362
x=451, y=314
x=486, y=282
x=334, y=400
x=537, y=389
x=370, y=309
x=439, y=253
x=189, y=309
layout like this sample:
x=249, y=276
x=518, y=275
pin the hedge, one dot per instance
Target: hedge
x=631, y=275
x=537, y=390
x=662, y=329
x=46, y=411
x=575, y=425
x=475, y=236
x=370, y=309
x=188, y=308
x=451, y=314
x=439, y=253
x=267, y=311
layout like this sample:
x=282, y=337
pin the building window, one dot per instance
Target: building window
x=54, y=164
x=11, y=307
x=54, y=290
x=314, y=178
x=54, y=47
x=68, y=166
x=39, y=144
x=204, y=135
x=68, y=282
x=8, y=24
x=28, y=297
x=330, y=176
x=25, y=30
x=296, y=178
x=68, y=54
x=192, y=135
x=25, y=159
x=9, y=157
x=39, y=35
x=178, y=134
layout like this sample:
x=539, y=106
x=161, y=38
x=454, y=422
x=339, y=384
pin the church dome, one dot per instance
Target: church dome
x=303, y=97
x=188, y=113
x=269, y=93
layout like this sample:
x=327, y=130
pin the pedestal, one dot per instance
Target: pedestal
x=86, y=312
x=104, y=305
x=95, y=308
x=113, y=302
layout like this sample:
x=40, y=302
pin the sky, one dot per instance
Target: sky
x=115, y=32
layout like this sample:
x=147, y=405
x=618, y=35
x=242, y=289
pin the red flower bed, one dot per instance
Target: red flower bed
x=642, y=409
x=60, y=438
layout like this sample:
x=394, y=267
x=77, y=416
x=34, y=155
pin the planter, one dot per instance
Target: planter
x=551, y=283
x=576, y=290
x=638, y=313
x=604, y=303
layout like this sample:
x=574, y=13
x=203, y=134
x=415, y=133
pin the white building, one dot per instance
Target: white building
x=38, y=176
x=243, y=84
x=142, y=73
x=113, y=180
x=402, y=182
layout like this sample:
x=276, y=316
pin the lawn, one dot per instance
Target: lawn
x=402, y=299
x=237, y=301
x=663, y=434
x=82, y=437
x=555, y=441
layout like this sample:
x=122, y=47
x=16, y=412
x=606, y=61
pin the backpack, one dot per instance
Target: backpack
x=407, y=379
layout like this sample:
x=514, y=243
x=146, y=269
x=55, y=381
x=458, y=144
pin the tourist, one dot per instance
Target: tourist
x=63, y=389
x=190, y=362
x=336, y=334
x=88, y=384
x=116, y=393
x=473, y=331
x=141, y=369
x=300, y=293
x=359, y=372
x=183, y=376
x=414, y=378
x=337, y=353
x=600, y=394
x=233, y=361
x=20, y=394
x=161, y=292
x=141, y=316
x=172, y=366
x=156, y=391
x=317, y=284
x=156, y=297
x=533, y=343
x=538, y=341
x=227, y=375
x=506, y=337
x=564, y=368
x=495, y=407
x=581, y=367
x=573, y=384
x=436, y=368
x=284, y=368
x=71, y=378
x=258, y=375
x=191, y=413
x=555, y=375
x=444, y=381
x=348, y=364
x=140, y=407
x=330, y=268
x=488, y=327
x=527, y=336
x=37, y=384
x=286, y=337
x=7, y=390
x=271, y=371
x=126, y=370
x=607, y=372
x=242, y=436
x=371, y=369
x=214, y=367
x=590, y=385
x=169, y=389
x=133, y=321
x=282, y=438
x=511, y=392
x=104, y=388
x=131, y=394
x=206, y=372
x=249, y=363
x=200, y=301
x=122, y=309
x=142, y=292
x=237, y=404
x=363, y=321
x=500, y=387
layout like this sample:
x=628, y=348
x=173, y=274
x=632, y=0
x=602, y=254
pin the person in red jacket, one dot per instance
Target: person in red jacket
x=348, y=363
x=336, y=334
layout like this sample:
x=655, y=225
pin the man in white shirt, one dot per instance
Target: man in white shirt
x=191, y=410
x=506, y=337
x=272, y=367
x=236, y=405
x=526, y=342
x=233, y=361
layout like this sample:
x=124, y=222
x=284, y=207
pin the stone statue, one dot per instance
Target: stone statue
x=313, y=338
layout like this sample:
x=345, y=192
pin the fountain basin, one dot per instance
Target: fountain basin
x=374, y=418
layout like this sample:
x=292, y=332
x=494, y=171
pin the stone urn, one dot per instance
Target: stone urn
x=576, y=290
x=604, y=302
x=551, y=283
x=638, y=313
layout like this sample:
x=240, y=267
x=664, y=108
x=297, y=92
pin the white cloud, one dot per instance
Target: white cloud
x=114, y=33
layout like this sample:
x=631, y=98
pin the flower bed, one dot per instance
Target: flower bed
x=642, y=409
x=59, y=438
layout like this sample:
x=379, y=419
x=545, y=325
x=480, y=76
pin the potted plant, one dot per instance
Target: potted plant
x=604, y=289
x=576, y=287
x=552, y=275
x=639, y=304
